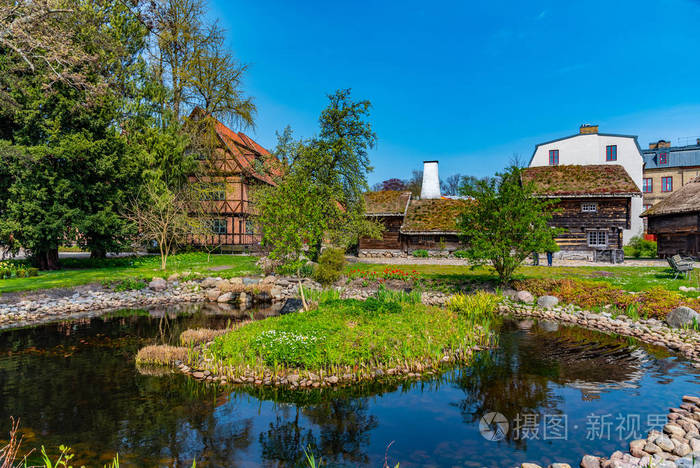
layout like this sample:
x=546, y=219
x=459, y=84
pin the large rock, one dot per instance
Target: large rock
x=664, y=443
x=213, y=294
x=291, y=305
x=547, y=302
x=158, y=284
x=682, y=317
x=525, y=296
x=589, y=461
x=209, y=282
x=225, y=297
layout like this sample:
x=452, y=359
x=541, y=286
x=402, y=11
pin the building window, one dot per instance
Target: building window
x=213, y=191
x=663, y=157
x=249, y=227
x=611, y=153
x=219, y=226
x=648, y=185
x=553, y=157
x=646, y=207
x=597, y=238
x=667, y=184
x=589, y=207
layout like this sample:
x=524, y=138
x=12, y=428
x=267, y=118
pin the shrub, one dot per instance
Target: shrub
x=421, y=253
x=330, y=266
x=32, y=272
x=5, y=273
x=460, y=253
x=21, y=273
x=639, y=247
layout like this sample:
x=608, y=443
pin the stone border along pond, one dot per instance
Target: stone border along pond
x=40, y=308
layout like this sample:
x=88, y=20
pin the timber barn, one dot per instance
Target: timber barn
x=676, y=221
x=427, y=223
x=593, y=207
x=236, y=166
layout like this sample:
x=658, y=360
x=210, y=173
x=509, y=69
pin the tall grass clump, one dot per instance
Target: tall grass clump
x=164, y=355
x=474, y=307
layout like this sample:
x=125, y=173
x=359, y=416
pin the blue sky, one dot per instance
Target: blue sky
x=471, y=83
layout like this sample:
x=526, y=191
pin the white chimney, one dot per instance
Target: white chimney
x=431, y=180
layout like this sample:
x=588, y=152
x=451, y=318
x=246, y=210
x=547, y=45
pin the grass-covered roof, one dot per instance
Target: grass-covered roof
x=684, y=200
x=435, y=215
x=386, y=202
x=573, y=180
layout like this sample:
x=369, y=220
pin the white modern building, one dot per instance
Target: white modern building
x=590, y=147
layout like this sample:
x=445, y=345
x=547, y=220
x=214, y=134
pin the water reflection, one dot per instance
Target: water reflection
x=75, y=383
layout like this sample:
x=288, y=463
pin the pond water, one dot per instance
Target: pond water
x=75, y=383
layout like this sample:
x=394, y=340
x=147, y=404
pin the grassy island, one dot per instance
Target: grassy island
x=349, y=340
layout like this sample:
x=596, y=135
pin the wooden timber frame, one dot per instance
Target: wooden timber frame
x=229, y=174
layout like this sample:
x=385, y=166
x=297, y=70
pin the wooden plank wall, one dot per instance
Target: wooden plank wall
x=431, y=242
x=676, y=234
x=390, y=237
x=612, y=215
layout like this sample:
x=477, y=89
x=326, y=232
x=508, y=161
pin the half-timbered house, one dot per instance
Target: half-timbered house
x=593, y=207
x=228, y=175
x=675, y=221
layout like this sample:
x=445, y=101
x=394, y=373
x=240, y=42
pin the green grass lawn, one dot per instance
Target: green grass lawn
x=83, y=271
x=387, y=330
x=627, y=278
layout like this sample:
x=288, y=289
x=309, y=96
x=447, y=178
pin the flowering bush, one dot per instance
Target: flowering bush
x=386, y=274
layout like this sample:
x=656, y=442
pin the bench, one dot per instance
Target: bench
x=680, y=265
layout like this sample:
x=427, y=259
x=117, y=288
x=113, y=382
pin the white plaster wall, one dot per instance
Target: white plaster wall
x=590, y=149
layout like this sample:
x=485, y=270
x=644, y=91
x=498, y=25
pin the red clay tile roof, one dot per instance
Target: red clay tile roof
x=433, y=216
x=246, y=151
x=386, y=202
x=576, y=180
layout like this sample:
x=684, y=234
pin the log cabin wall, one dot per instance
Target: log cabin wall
x=390, y=239
x=676, y=234
x=578, y=217
x=411, y=242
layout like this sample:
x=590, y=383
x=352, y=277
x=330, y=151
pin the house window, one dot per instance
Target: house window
x=648, y=185
x=597, y=238
x=667, y=184
x=554, y=157
x=217, y=191
x=663, y=157
x=589, y=207
x=219, y=226
x=249, y=227
x=611, y=153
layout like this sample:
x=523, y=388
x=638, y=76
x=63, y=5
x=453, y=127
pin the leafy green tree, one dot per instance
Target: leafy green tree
x=506, y=223
x=70, y=167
